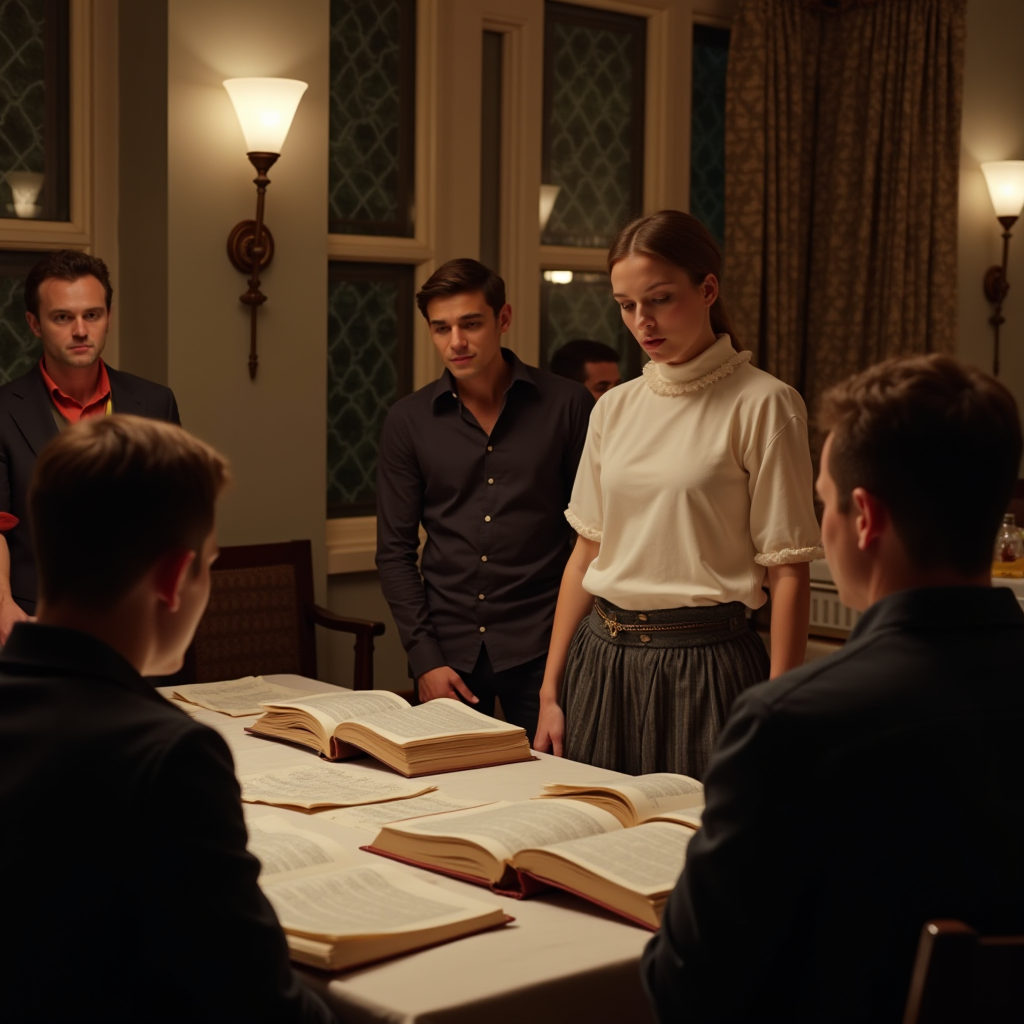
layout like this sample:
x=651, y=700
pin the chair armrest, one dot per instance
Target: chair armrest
x=343, y=623
x=364, y=629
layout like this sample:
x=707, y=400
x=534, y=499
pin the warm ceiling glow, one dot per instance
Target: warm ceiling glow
x=1005, y=179
x=558, y=276
x=265, y=108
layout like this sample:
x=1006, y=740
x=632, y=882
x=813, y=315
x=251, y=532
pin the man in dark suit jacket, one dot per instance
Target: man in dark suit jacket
x=67, y=302
x=853, y=799
x=128, y=891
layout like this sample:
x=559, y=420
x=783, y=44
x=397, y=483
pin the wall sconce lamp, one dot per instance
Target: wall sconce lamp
x=265, y=108
x=25, y=189
x=1005, y=180
x=548, y=195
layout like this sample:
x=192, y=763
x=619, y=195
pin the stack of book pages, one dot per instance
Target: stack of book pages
x=439, y=736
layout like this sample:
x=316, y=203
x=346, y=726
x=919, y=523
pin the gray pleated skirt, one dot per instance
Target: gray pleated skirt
x=650, y=691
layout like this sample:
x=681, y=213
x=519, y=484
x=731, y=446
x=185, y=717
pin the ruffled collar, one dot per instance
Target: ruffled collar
x=711, y=365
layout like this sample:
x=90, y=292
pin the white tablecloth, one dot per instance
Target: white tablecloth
x=563, y=960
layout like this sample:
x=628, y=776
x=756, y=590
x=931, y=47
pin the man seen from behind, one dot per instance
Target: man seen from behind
x=129, y=893
x=853, y=799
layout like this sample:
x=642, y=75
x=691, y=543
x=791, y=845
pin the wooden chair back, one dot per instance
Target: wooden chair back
x=257, y=622
x=961, y=976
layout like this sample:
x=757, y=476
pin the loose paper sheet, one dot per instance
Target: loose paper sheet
x=282, y=848
x=326, y=785
x=234, y=697
x=371, y=817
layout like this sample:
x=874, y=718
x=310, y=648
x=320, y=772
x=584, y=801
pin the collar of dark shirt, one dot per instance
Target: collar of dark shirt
x=446, y=384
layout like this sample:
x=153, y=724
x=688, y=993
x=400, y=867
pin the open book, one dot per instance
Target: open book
x=439, y=736
x=654, y=797
x=337, y=915
x=520, y=848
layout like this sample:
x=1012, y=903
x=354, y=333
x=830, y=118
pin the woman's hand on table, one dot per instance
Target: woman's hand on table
x=550, y=728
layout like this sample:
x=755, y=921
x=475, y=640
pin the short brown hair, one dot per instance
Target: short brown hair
x=937, y=441
x=680, y=239
x=571, y=359
x=68, y=265
x=110, y=496
x=458, y=276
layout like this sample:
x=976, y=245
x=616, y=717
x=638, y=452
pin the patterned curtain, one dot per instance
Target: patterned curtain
x=842, y=154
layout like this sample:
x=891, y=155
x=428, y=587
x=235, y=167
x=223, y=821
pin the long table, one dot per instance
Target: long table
x=563, y=960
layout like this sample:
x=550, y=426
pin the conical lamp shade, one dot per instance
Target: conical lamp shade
x=265, y=108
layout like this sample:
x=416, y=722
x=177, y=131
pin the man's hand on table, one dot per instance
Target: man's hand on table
x=443, y=682
x=10, y=613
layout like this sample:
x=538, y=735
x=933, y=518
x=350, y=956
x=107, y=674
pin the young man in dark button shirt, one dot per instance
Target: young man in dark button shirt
x=128, y=891
x=484, y=458
x=853, y=799
x=67, y=305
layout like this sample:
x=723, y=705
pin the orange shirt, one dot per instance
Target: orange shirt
x=70, y=408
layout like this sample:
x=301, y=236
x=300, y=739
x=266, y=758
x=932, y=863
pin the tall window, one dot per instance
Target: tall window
x=34, y=109
x=707, y=128
x=369, y=365
x=34, y=148
x=20, y=349
x=373, y=75
x=593, y=151
x=593, y=122
x=371, y=181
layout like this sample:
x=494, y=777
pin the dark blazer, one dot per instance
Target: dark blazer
x=26, y=425
x=128, y=892
x=848, y=802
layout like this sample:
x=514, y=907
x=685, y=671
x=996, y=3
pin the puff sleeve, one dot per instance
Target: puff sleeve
x=586, y=505
x=783, y=526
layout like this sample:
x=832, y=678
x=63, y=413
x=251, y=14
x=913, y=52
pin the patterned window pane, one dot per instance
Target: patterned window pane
x=373, y=75
x=707, y=134
x=584, y=308
x=369, y=341
x=593, y=122
x=20, y=349
x=34, y=109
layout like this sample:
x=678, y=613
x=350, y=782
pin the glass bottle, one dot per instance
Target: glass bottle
x=1008, y=546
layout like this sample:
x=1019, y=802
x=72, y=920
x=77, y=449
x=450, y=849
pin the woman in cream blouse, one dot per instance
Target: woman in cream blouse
x=694, y=484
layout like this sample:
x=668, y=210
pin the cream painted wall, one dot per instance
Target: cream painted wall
x=274, y=429
x=993, y=129
x=359, y=594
